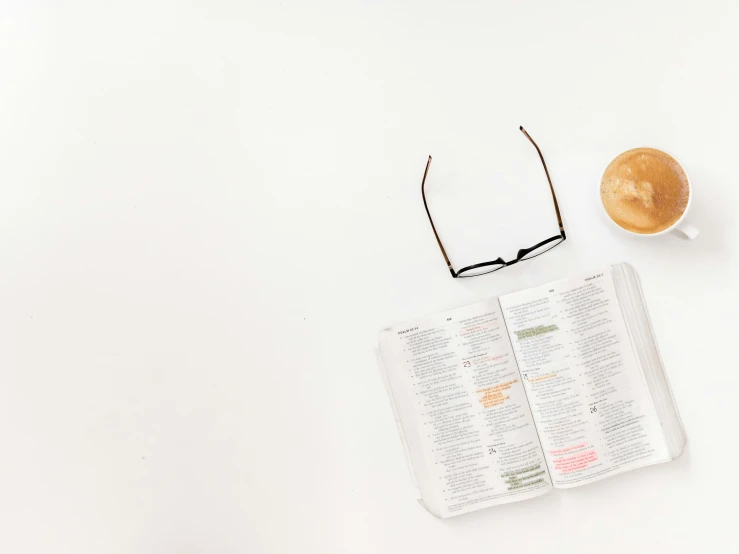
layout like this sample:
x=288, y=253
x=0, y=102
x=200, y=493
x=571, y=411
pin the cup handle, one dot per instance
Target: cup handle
x=688, y=230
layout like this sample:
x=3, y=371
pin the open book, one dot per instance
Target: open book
x=555, y=386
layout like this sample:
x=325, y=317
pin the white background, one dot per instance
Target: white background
x=208, y=210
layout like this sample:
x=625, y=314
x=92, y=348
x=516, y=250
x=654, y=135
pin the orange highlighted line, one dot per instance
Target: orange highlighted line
x=493, y=396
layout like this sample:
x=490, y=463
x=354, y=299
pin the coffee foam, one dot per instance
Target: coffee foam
x=645, y=190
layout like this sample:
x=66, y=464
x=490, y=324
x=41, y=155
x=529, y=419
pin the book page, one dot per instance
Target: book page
x=463, y=410
x=587, y=393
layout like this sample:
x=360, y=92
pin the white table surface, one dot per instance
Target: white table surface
x=208, y=210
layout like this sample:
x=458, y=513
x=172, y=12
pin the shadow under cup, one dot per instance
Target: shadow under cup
x=647, y=192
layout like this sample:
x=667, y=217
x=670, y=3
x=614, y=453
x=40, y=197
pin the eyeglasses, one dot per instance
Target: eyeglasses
x=500, y=263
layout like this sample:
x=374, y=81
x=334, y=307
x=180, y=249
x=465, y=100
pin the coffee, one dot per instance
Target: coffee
x=645, y=190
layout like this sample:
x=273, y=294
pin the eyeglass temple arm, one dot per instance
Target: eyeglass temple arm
x=433, y=227
x=551, y=187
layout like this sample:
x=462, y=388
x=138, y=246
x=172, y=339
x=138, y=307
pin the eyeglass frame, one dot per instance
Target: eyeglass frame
x=499, y=261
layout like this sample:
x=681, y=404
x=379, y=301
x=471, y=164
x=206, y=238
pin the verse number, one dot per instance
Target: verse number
x=593, y=410
x=467, y=363
x=525, y=376
x=492, y=450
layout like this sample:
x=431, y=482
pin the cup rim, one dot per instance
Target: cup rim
x=663, y=231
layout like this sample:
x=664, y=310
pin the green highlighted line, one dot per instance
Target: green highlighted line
x=536, y=331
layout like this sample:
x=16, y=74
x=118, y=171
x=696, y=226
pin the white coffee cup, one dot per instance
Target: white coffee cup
x=680, y=227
